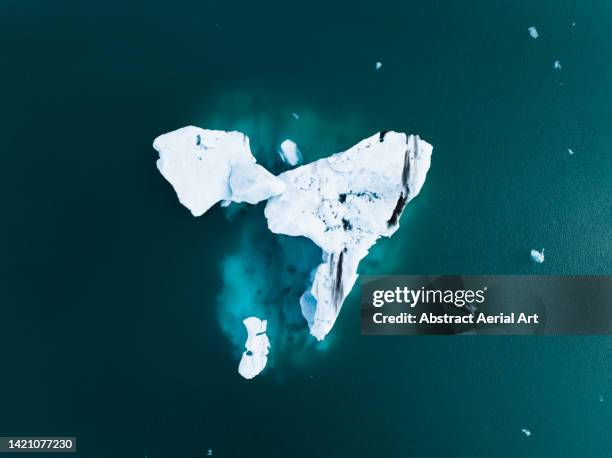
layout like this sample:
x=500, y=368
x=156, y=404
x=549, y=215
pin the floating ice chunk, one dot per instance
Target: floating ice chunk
x=601, y=398
x=526, y=432
x=557, y=65
x=538, y=256
x=569, y=150
x=344, y=203
x=252, y=183
x=573, y=24
x=257, y=345
x=290, y=153
x=533, y=32
x=207, y=166
x=378, y=65
x=295, y=115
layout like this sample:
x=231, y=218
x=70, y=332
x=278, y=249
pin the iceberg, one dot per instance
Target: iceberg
x=537, y=256
x=533, y=32
x=257, y=345
x=378, y=65
x=526, y=432
x=290, y=153
x=344, y=203
x=208, y=166
x=557, y=65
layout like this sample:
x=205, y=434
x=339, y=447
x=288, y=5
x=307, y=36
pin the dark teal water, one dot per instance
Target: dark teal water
x=110, y=320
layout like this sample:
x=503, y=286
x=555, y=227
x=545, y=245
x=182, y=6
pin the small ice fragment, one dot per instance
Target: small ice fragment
x=295, y=115
x=538, y=256
x=573, y=24
x=290, y=153
x=557, y=65
x=526, y=432
x=569, y=150
x=255, y=357
x=533, y=32
x=601, y=398
x=209, y=452
x=378, y=65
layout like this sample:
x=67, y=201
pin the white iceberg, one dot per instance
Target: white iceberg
x=537, y=256
x=557, y=65
x=526, y=432
x=257, y=345
x=290, y=153
x=533, y=32
x=378, y=65
x=570, y=151
x=344, y=203
x=207, y=166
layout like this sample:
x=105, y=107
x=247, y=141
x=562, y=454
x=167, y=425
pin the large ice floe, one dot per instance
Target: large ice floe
x=344, y=203
x=207, y=166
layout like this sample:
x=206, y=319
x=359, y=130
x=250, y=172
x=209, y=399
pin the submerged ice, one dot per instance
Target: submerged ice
x=343, y=203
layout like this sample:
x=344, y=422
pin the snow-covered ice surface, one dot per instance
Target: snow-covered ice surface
x=255, y=357
x=290, y=153
x=537, y=256
x=344, y=203
x=207, y=166
x=533, y=32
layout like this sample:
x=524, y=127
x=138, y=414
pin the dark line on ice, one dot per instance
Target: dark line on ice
x=402, y=200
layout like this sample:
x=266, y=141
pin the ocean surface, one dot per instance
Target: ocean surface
x=115, y=300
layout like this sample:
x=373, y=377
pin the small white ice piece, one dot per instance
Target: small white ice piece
x=538, y=256
x=569, y=150
x=601, y=398
x=526, y=432
x=533, y=32
x=295, y=115
x=378, y=65
x=290, y=153
x=573, y=24
x=557, y=65
x=257, y=345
